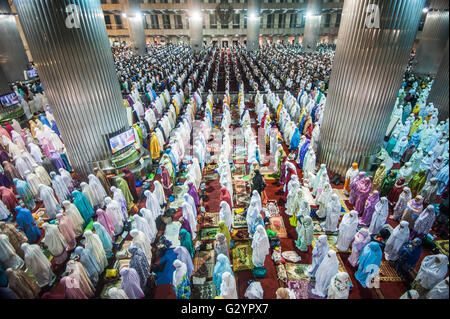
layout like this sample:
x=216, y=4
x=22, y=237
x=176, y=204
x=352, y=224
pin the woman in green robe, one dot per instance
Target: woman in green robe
x=186, y=241
x=224, y=230
x=388, y=182
x=417, y=182
x=123, y=186
x=84, y=207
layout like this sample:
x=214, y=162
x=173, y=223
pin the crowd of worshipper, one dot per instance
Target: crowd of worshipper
x=61, y=237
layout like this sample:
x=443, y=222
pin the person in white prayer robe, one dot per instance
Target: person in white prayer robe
x=379, y=216
x=117, y=293
x=333, y=213
x=38, y=264
x=327, y=269
x=94, y=244
x=75, y=217
x=318, y=254
x=152, y=203
x=52, y=206
x=339, y=287
x=225, y=214
x=97, y=189
x=29, y=160
x=67, y=178
x=8, y=255
x=323, y=199
x=42, y=174
x=399, y=236
x=142, y=225
x=159, y=192
x=440, y=291
x=61, y=190
x=189, y=215
x=347, y=230
x=34, y=182
x=292, y=192
x=189, y=199
x=432, y=270
x=22, y=166
x=140, y=241
x=114, y=211
x=256, y=198
x=228, y=286
x=410, y=294
x=309, y=162
x=87, y=191
x=35, y=151
x=260, y=246
x=55, y=242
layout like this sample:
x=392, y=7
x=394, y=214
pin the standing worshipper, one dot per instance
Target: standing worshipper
x=258, y=183
x=140, y=263
x=140, y=241
x=347, y=230
x=225, y=196
x=24, y=191
x=94, y=244
x=362, y=238
x=26, y=222
x=379, y=177
x=186, y=241
x=55, y=242
x=402, y=203
x=34, y=181
x=106, y=221
x=89, y=263
x=51, y=204
x=333, y=213
x=105, y=238
x=388, y=182
x=424, y=223
x=351, y=173
x=97, y=190
x=221, y=246
x=318, y=253
x=327, y=269
x=395, y=192
x=417, y=182
x=61, y=190
x=409, y=255
x=131, y=283
x=222, y=265
x=103, y=180
x=432, y=270
x=369, y=263
x=180, y=281
x=379, y=216
x=184, y=256
x=428, y=192
x=260, y=246
x=38, y=264
x=395, y=242
x=305, y=233
x=353, y=187
x=83, y=206
x=362, y=193
x=66, y=229
x=129, y=177
x=228, y=287
x=369, y=208
x=225, y=214
x=42, y=175
x=76, y=220
x=70, y=183
x=123, y=186
x=143, y=226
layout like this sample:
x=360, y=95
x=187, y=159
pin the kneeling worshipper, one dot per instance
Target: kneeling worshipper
x=184, y=256
x=327, y=269
x=8, y=256
x=38, y=264
x=221, y=246
x=395, y=242
x=105, y=238
x=140, y=263
x=305, y=233
x=432, y=270
x=424, y=223
x=140, y=241
x=369, y=263
x=440, y=291
x=117, y=293
x=180, y=282
x=16, y=238
x=260, y=246
x=379, y=216
x=362, y=238
x=333, y=214
x=228, y=287
x=222, y=265
x=89, y=263
x=52, y=206
x=409, y=255
x=347, y=230
x=22, y=284
x=55, y=242
x=131, y=283
x=26, y=223
x=339, y=287
x=94, y=244
x=66, y=229
x=83, y=206
x=318, y=254
x=76, y=220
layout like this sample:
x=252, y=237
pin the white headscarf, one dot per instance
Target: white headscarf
x=139, y=240
x=228, y=286
x=97, y=189
x=256, y=198
x=347, y=230
x=75, y=217
x=143, y=226
x=225, y=214
x=260, y=246
x=87, y=191
x=399, y=236
x=440, y=291
x=8, y=256
x=51, y=205
x=379, y=216
x=152, y=203
x=333, y=213
x=431, y=271
x=37, y=263
x=327, y=269
x=159, y=191
x=117, y=293
x=53, y=239
x=180, y=271
x=94, y=244
x=188, y=214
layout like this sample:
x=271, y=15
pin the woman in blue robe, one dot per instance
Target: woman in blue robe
x=295, y=140
x=55, y=128
x=66, y=161
x=408, y=256
x=172, y=160
x=369, y=262
x=26, y=223
x=314, y=112
x=222, y=265
x=89, y=263
x=24, y=191
x=391, y=144
x=186, y=241
x=258, y=221
x=165, y=275
x=442, y=177
x=302, y=153
x=407, y=109
x=44, y=120
x=83, y=205
x=140, y=263
x=415, y=139
x=105, y=238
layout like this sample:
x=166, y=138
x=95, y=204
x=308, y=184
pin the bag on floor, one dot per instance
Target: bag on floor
x=259, y=272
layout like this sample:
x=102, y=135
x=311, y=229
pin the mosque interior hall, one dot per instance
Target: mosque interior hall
x=224, y=149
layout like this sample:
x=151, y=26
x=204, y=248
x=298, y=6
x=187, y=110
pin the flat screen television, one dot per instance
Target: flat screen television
x=32, y=73
x=8, y=100
x=122, y=140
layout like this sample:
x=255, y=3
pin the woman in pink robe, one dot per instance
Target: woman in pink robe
x=362, y=193
x=106, y=221
x=66, y=229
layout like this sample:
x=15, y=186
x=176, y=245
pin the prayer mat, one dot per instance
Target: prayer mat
x=211, y=176
x=211, y=220
x=277, y=225
x=297, y=272
x=319, y=230
x=270, y=177
x=239, y=221
x=332, y=240
x=342, y=267
x=208, y=233
x=272, y=209
x=240, y=187
x=388, y=273
x=242, y=200
x=291, y=256
x=211, y=167
x=106, y=287
x=302, y=289
x=242, y=256
x=267, y=170
x=205, y=291
x=122, y=263
x=239, y=169
x=443, y=246
x=340, y=194
x=240, y=234
x=123, y=253
x=204, y=263
x=171, y=233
